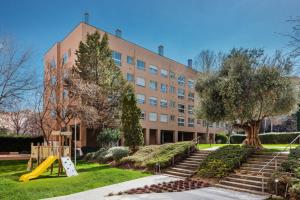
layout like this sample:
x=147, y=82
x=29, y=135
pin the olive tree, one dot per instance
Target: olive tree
x=247, y=88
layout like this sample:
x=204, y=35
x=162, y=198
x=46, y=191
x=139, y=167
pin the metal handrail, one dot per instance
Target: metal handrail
x=268, y=163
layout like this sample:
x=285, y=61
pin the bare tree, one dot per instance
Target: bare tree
x=16, y=78
x=208, y=61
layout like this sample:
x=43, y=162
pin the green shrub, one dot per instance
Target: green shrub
x=20, y=143
x=268, y=138
x=104, y=156
x=295, y=191
x=108, y=138
x=119, y=152
x=283, y=180
x=148, y=156
x=221, y=138
x=224, y=160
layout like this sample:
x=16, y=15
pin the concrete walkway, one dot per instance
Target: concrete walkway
x=210, y=193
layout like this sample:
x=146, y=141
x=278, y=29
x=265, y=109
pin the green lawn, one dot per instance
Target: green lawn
x=274, y=147
x=90, y=176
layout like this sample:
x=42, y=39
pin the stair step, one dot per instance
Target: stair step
x=183, y=165
x=270, y=166
x=254, y=173
x=187, y=171
x=245, y=181
x=177, y=174
x=191, y=162
x=241, y=185
x=240, y=189
x=248, y=177
x=256, y=169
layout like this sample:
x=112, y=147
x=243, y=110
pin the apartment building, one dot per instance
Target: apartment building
x=164, y=88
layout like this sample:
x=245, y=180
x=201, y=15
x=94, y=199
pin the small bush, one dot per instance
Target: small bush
x=224, y=160
x=221, y=138
x=268, y=138
x=295, y=191
x=119, y=152
x=283, y=180
x=108, y=138
x=104, y=156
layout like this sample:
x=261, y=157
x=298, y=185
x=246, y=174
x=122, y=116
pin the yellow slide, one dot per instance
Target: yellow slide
x=39, y=170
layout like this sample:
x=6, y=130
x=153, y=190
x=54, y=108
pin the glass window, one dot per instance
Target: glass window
x=181, y=108
x=163, y=118
x=129, y=60
x=140, y=82
x=191, y=84
x=180, y=121
x=153, y=69
x=52, y=63
x=172, y=104
x=191, y=96
x=130, y=77
x=163, y=88
x=172, y=89
x=153, y=85
x=65, y=58
x=153, y=117
x=191, y=122
x=172, y=117
x=53, y=80
x=140, y=98
x=153, y=101
x=140, y=64
x=143, y=115
x=163, y=103
x=172, y=75
x=181, y=80
x=180, y=93
x=164, y=73
x=190, y=109
x=116, y=56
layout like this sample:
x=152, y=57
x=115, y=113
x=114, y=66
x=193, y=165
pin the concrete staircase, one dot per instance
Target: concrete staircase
x=189, y=166
x=248, y=178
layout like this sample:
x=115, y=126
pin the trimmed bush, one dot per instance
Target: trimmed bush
x=18, y=143
x=104, y=156
x=268, y=138
x=224, y=160
x=119, y=152
x=221, y=138
x=149, y=156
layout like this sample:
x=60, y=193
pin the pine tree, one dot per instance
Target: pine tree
x=133, y=134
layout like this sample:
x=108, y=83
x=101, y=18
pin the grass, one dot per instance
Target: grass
x=91, y=175
x=270, y=147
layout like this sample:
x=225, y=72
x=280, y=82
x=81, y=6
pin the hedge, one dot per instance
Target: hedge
x=268, y=138
x=18, y=143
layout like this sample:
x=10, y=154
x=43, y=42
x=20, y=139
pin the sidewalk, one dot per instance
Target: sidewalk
x=210, y=193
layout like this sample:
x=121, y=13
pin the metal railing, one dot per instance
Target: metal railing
x=261, y=171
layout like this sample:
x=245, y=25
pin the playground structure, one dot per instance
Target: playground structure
x=44, y=155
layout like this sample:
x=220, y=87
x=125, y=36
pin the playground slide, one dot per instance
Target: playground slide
x=39, y=170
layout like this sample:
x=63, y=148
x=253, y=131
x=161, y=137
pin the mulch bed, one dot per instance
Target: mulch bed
x=172, y=186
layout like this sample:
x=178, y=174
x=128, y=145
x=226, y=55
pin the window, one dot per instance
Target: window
x=153, y=85
x=163, y=88
x=172, y=117
x=180, y=93
x=153, y=117
x=180, y=121
x=65, y=58
x=181, y=80
x=172, y=89
x=164, y=73
x=172, y=104
x=153, y=69
x=153, y=101
x=143, y=115
x=190, y=109
x=140, y=82
x=129, y=60
x=163, y=103
x=191, y=84
x=52, y=63
x=191, y=122
x=191, y=96
x=140, y=98
x=130, y=77
x=163, y=118
x=181, y=108
x=172, y=75
x=53, y=80
x=140, y=64
x=116, y=56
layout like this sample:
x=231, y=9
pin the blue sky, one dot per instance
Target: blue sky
x=184, y=27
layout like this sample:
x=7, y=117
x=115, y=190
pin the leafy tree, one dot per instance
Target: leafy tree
x=108, y=138
x=97, y=84
x=248, y=87
x=131, y=127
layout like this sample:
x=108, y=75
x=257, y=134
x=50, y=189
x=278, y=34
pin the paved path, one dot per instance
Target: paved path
x=210, y=193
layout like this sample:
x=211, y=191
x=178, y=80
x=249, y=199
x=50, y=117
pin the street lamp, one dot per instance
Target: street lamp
x=276, y=186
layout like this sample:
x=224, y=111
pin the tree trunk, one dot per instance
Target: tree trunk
x=252, y=135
